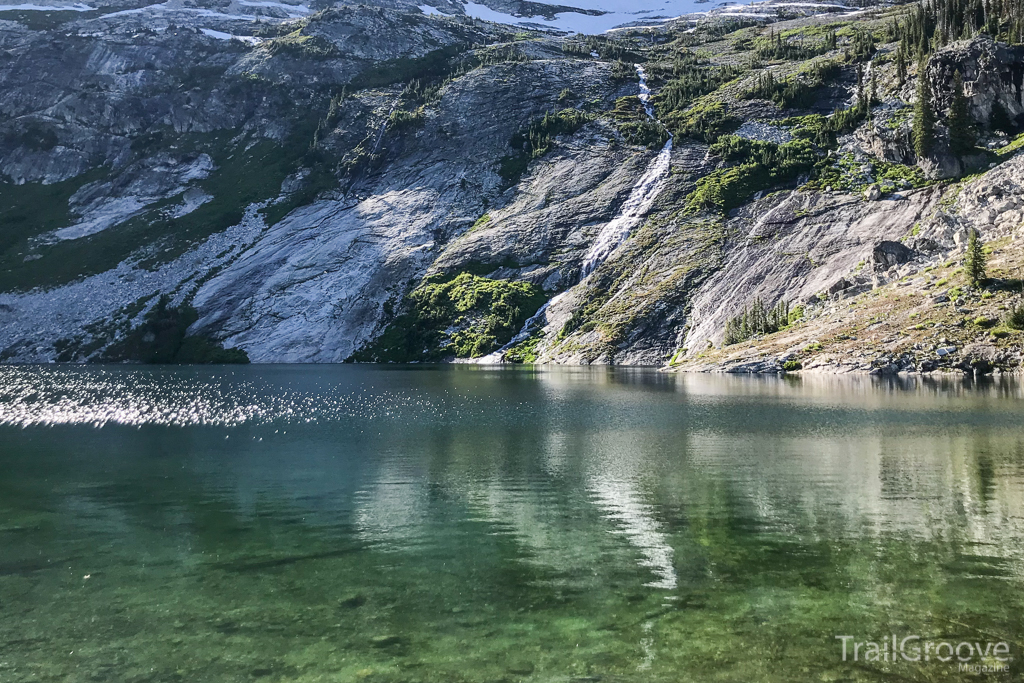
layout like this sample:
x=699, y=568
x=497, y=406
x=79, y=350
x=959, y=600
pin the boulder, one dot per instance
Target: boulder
x=887, y=254
x=839, y=285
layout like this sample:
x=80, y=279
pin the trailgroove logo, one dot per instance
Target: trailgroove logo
x=971, y=657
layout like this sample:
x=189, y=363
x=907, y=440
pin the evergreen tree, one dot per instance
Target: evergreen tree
x=961, y=132
x=901, y=66
x=924, y=117
x=974, y=259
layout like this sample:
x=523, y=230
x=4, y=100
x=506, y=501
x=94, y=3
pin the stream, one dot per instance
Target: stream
x=616, y=231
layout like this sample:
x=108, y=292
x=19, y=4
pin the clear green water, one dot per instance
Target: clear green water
x=465, y=524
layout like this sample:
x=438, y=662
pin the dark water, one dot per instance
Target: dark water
x=466, y=524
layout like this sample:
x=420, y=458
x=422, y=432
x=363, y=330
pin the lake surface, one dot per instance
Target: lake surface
x=466, y=524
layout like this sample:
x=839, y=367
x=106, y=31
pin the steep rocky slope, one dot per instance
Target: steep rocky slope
x=374, y=183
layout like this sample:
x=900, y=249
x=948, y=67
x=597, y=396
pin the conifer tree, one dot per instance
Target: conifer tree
x=924, y=117
x=961, y=133
x=974, y=259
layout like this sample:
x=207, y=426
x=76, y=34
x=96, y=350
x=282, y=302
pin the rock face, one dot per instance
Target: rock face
x=993, y=74
x=909, y=317
x=794, y=246
x=316, y=286
x=299, y=179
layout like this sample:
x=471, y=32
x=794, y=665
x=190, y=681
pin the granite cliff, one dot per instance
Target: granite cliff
x=193, y=182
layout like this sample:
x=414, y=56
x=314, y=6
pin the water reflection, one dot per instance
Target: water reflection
x=474, y=522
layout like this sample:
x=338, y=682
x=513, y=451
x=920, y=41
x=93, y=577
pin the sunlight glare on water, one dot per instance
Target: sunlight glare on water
x=479, y=524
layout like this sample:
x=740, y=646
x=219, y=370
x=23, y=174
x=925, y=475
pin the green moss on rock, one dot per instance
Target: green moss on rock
x=466, y=316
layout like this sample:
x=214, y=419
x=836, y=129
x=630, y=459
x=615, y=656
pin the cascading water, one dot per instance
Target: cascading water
x=640, y=199
x=618, y=229
x=384, y=126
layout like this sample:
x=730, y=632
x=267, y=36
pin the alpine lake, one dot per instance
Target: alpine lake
x=449, y=524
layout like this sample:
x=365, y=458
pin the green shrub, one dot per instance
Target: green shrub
x=691, y=82
x=634, y=124
x=644, y=133
x=703, y=121
x=537, y=139
x=525, y=352
x=792, y=366
x=401, y=119
x=605, y=46
x=466, y=316
x=161, y=338
x=774, y=47
x=432, y=66
x=797, y=90
x=1015, y=317
x=763, y=165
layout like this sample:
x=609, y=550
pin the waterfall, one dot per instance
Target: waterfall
x=636, y=207
x=640, y=199
x=496, y=356
x=384, y=126
x=615, y=232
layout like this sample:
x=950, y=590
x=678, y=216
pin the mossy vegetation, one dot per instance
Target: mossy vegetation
x=435, y=65
x=465, y=316
x=797, y=91
x=706, y=120
x=34, y=209
x=792, y=46
x=759, y=166
x=163, y=338
x=580, y=320
x=401, y=119
x=606, y=47
x=526, y=351
x=299, y=45
x=690, y=81
x=635, y=126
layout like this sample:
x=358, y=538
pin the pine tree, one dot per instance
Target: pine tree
x=901, y=66
x=924, y=117
x=961, y=132
x=974, y=259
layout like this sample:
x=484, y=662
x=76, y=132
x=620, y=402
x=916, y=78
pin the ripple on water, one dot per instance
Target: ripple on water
x=42, y=396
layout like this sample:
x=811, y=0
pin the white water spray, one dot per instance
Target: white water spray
x=615, y=231
x=384, y=126
x=640, y=199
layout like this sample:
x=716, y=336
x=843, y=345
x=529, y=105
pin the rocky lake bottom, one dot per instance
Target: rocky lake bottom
x=427, y=523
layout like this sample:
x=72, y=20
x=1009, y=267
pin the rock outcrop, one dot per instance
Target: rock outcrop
x=292, y=184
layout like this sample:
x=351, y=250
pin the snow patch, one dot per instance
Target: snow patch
x=620, y=13
x=615, y=13
x=220, y=35
x=171, y=7
x=293, y=11
x=432, y=11
x=77, y=7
